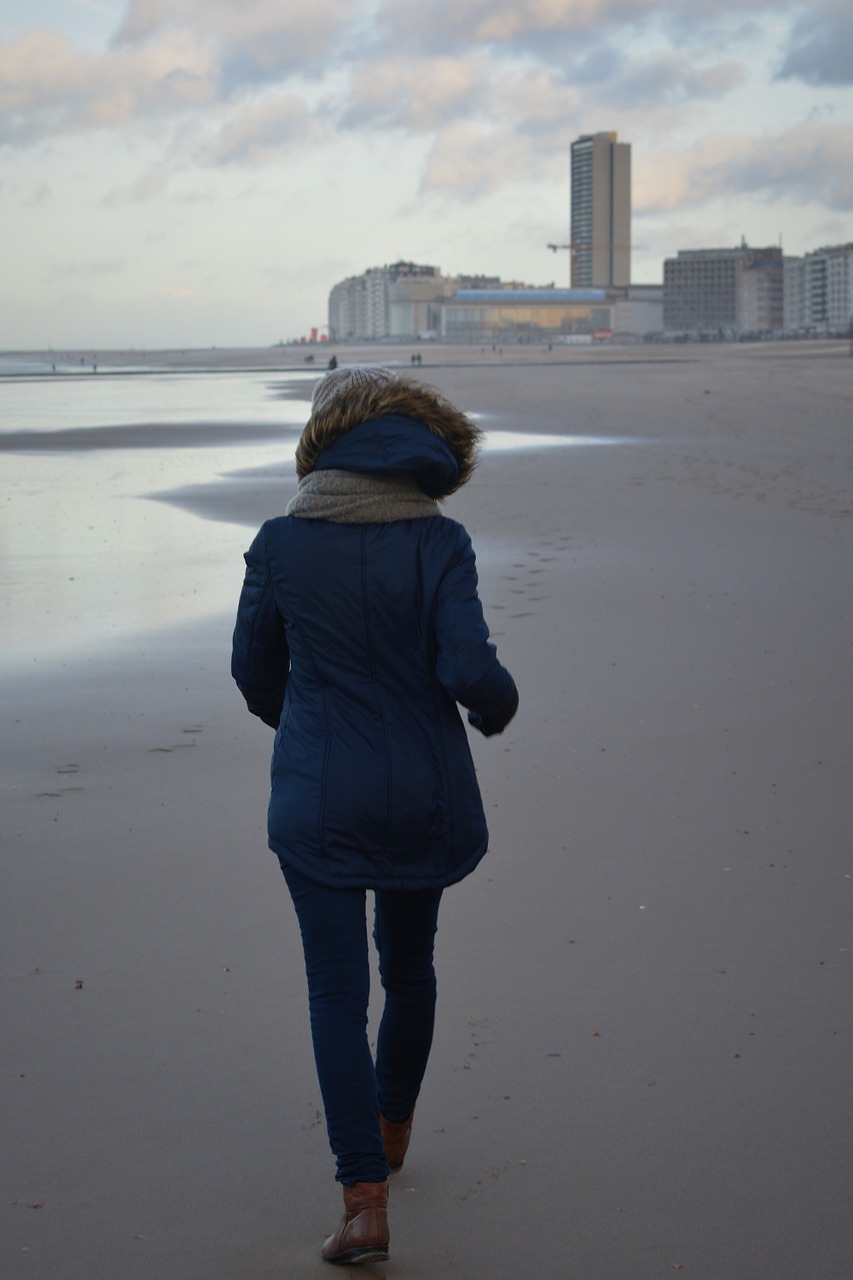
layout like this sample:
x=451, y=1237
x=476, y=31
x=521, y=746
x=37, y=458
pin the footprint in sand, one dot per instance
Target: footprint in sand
x=57, y=795
x=177, y=746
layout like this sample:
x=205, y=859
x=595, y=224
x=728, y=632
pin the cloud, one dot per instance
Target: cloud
x=820, y=46
x=169, y=58
x=421, y=95
x=258, y=39
x=262, y=132
x=490, y=125
x=250, y=135
x=665, y=78
x=495, y=123
x=95, y=6
x=497, y=88
x=548, y=29
x=150, y=184
x=48, y=87
x=41, y=196
x=714, y=81
x=472, y=161
x=812, y=162
x=530, y=100
x=445, y=26
x=419, y=65
x=95, y=268
x=541, y=107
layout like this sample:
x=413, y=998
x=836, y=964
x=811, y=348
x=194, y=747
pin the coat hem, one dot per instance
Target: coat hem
x=312, y=870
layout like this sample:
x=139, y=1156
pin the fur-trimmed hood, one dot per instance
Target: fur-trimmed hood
x=399, y=428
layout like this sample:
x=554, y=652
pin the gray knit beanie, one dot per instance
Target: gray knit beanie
x=339, y=382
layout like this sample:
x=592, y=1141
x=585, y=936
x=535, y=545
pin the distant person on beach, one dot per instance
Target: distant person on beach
x=359, y=630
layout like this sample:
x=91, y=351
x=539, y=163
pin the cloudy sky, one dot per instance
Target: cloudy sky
x=201, y=172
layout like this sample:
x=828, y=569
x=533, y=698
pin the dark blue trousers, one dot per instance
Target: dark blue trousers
x=334, y=938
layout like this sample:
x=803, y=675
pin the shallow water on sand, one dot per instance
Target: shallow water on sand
x=87, y=557
x=127, y=398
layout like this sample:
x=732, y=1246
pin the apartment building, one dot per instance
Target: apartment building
x=724, y=291
x=601, y=212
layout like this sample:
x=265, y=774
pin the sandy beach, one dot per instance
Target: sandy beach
x=644, y=1042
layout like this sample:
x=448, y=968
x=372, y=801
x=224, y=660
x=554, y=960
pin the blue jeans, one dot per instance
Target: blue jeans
x=334, y=938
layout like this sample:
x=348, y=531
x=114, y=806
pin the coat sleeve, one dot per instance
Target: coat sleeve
x=467, y=662
x=260, y=659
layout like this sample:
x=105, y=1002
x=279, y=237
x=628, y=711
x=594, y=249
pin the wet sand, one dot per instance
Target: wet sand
x=642, y=1059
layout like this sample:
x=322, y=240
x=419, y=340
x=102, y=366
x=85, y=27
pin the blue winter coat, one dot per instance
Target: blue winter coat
x=357, y=641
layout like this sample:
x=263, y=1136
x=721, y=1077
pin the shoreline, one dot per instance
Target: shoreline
x=125, y=362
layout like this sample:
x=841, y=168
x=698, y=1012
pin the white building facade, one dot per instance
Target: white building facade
x=828, y=288
x=819, y=291
x=396, y=301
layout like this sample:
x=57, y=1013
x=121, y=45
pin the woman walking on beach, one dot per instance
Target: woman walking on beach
x=359, y=630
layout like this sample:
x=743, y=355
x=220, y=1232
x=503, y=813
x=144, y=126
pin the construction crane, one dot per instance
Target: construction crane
x=575, y=247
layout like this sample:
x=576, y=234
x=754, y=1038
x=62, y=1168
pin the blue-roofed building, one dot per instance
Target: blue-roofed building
x=523, y=315
x=406, y=301
x=539, y=297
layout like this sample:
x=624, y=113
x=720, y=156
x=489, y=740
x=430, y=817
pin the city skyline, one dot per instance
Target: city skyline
x=183, y=173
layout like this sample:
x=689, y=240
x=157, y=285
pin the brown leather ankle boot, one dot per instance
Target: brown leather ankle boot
x=395, y=1140
x=362, y=1235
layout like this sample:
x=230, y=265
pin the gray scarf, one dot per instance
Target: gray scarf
x=351, y=497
